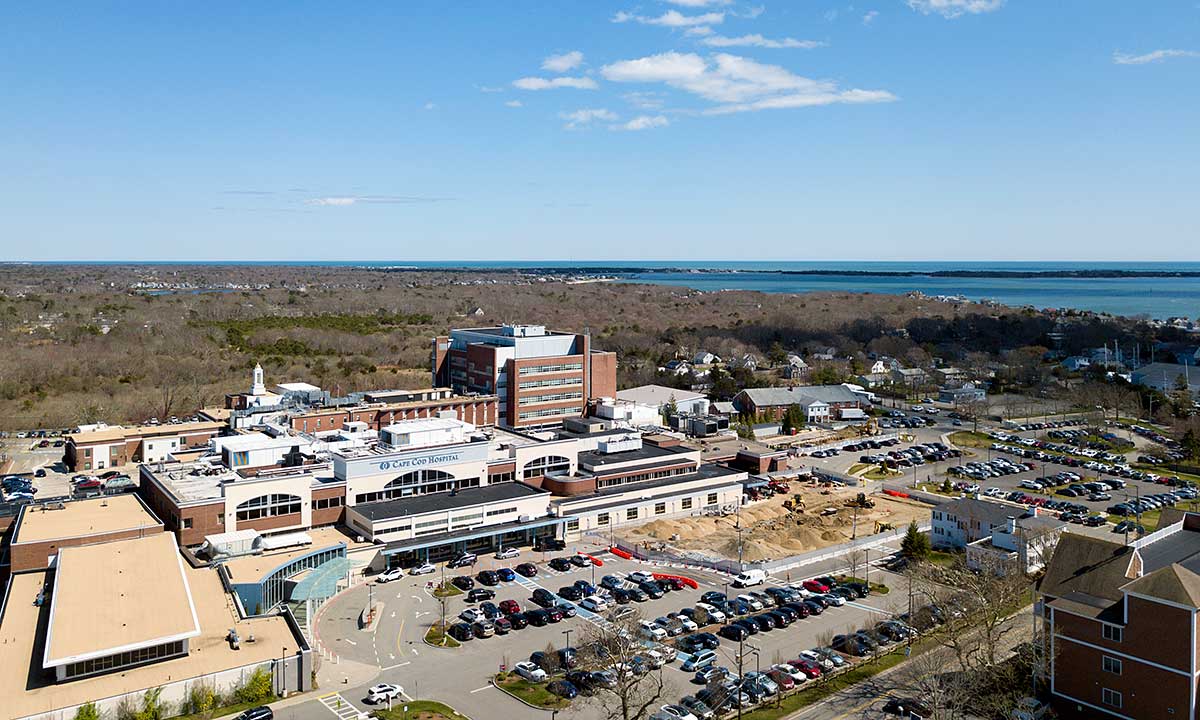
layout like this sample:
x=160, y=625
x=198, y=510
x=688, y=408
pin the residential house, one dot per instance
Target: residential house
x=910, y=377
x=1023, y=544
x=705, y=358
x=677, y=367
x=952, y=376
x=826, y=401
x=748, y=361
x=957, y=523
x=1120, y=624
x=874, y=379
x=968, y=393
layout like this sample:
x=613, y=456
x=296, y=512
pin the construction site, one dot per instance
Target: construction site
x=788, y=523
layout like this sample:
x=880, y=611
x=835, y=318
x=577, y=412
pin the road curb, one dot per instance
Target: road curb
x=524, y=702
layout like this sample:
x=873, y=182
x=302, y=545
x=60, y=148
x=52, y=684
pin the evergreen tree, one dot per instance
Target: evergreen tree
x=915, y=546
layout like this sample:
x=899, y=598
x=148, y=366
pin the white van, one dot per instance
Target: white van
x=650, y=631
x=750, y=577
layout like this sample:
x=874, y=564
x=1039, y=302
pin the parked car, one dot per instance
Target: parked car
x=488, y=577
x=462, y=582
x=560, y=564
x=529, y=671
x=507, y=553
x=564, y=689
x=480, y=594
x=527, y=570
x=463, y=560
x=461, y=632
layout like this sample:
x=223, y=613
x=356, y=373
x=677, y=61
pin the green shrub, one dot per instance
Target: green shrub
x=87, y=711
x=258, y=687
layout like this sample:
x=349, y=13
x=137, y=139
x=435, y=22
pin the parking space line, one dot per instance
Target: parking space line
x=485, y=687
x=339, y=706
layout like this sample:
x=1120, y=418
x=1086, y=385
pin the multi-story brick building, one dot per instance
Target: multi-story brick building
x=105, y=447
x=383, y=409
x=1121, y=636
x=540, y=376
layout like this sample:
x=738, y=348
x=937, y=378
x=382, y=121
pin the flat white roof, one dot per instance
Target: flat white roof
x=297, y=387
x=259, y=441
x=427, y=424
x=657, y=395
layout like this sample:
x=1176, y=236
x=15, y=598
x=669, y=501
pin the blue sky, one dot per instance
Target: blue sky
x=656, y=129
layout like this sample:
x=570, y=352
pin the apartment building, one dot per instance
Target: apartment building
x=1120, y=621
x=540, y=376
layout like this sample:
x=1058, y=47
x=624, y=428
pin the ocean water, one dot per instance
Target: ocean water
x=1157, y=297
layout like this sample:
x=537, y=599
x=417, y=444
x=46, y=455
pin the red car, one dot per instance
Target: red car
x=553, y=614
x=808, y=667
x=782, y=679
x=814, y=586
x=90, y=484
x=510, y=607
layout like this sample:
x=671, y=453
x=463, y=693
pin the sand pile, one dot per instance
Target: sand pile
x=770, y=531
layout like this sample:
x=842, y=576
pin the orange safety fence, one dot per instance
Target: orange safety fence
x=595, y=560
x=620, y=553
x=685, y=580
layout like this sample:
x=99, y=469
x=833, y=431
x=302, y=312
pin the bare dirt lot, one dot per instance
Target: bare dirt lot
x=771, y=531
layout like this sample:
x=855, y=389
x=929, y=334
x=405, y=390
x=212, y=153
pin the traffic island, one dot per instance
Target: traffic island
x=534, y=695
x=420, y=710
x=445, y=590
x=437, y=637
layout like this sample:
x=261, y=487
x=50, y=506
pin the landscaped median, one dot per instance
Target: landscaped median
x=445, y=590
x=420, y=710
x=437, y=637
x=530, y=693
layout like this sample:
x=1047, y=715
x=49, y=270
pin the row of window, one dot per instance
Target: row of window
x=554, y=368
x=552, y=382
x=265, y=506
x=548, y=413
x=508, y=476
x=659, y=509
x=325, y=503
x=652, y=475
x=549, y=398
x=125, y=659
x=546, y=465
x=501, y=511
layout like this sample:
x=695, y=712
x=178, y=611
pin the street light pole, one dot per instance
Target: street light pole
x=567, y=632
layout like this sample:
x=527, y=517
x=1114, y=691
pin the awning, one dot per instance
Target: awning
x=401, y=546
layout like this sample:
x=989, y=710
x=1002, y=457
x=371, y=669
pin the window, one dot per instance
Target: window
x=549, y=412
x=555, y=382
x=502, y=477
x=501, y=511
x=1112, y=632
x=1111, y=698
x=541, y=369
x=631, y=514
x=187, y=523
x=572, y=526
x=546, y=465
x=685, y=504
x=660, y=508
x=325, y=503
x=602, y=519
x=1111, y=665
x=265, y=506
x=549, y=398
x=712, y=499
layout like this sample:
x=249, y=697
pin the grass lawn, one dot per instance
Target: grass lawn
x=968, y=438
x=877, y=588
x=1166, y=472
x=1149, y=519
x=943, y=559
x=435, y=636
x=228, y=710
x=419, y=710
x=533, y=693
x=446, y=590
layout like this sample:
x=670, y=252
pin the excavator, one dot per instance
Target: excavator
x=869, y=428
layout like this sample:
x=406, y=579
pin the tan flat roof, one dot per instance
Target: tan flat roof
x=79, y=518
x=116, y=596
x=31, y=691
x=167, y=430
x=252, y=568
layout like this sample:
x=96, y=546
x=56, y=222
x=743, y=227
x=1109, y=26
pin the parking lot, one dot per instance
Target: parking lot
x=396, y=644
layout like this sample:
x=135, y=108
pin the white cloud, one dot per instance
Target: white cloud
x=430, y=106
x=644, y=100
x=332, y=201
x=490, y=89
x=757, y=40
x=753, y=12
x=955, y=8
x=699, y=3
x=698, y=31
x=870, y=17
x=584, y=117
x=644, y=122
x=562, y=63
x=1150, y=57
x=672, y=18
x=514, y=104
x=738, y=84
x=537, y=83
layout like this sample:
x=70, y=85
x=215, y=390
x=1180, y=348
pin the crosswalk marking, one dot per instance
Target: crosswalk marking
x=339, y=706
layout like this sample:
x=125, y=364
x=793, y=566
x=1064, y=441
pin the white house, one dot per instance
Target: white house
x=1025, y=544
x=705, y=358
x=957, y=523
